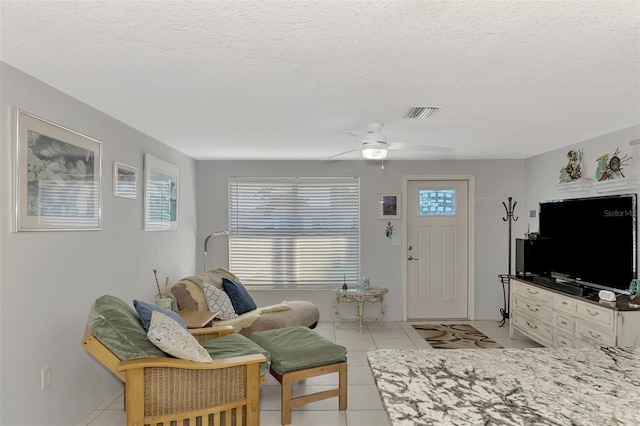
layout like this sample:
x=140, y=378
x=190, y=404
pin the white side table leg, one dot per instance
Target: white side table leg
x=383, y=309
x=336, y=302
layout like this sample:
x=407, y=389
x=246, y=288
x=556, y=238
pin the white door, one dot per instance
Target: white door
x=438, y=249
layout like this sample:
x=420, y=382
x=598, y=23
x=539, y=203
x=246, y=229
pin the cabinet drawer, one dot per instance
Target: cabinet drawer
x=595, y=314
x=533, y=309
x=541, y=332
x=562, y=340
x=535, y=293
x=563, y=322
x=593, y=334
x=577, y=343
x=564, y=304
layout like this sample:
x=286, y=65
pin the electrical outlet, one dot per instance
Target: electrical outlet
x=46, y=377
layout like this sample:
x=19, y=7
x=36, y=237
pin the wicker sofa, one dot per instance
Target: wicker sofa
x=160, y=390
x=190, y=296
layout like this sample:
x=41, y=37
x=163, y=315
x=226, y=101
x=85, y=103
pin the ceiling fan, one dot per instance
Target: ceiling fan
x=375, y=145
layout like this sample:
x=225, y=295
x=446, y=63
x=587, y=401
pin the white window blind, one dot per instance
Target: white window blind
x=294, y=231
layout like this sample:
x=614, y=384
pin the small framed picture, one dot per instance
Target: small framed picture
x=161, y=194
x=58, y=177
x=389, y=206
x=125, y=181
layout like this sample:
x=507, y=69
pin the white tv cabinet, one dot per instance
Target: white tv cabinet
x=556, y=319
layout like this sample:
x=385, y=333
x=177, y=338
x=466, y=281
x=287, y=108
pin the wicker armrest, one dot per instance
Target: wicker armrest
x=208, y=333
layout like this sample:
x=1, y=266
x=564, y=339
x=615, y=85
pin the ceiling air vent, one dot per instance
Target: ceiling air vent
x=421, y=113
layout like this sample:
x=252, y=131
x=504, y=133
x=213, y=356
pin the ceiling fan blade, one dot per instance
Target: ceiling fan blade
x=342, y=153
x=354, y=134
x=414, y=147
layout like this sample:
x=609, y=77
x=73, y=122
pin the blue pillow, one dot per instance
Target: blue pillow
x=145, y=310
x=240, y=297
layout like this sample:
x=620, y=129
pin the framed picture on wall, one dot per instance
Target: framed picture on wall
x=389, y=206
x=58, y=177
x=161, y=194
x=125, y=181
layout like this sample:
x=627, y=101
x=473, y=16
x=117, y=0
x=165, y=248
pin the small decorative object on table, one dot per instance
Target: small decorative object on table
x=634, y=289
x=162, y=299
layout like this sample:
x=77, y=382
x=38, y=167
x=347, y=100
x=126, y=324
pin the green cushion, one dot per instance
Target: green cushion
x=236, y=345
x=298, y=348
x=116, y=325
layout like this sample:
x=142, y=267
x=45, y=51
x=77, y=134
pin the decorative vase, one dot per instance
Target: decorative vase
x=164, y=302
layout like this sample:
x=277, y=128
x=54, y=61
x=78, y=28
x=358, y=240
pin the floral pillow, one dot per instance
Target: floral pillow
x=174, y=339
x=218, y=301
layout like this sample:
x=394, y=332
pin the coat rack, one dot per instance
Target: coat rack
x=504, y=278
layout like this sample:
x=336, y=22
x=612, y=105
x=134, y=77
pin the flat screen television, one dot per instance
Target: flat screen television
x=594, y=240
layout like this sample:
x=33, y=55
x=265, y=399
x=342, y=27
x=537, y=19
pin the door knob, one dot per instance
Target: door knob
x=411, y=258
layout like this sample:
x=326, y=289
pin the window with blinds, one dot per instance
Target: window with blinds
x=295, y=231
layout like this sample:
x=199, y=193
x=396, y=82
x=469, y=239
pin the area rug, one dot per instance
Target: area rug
x=454, y=336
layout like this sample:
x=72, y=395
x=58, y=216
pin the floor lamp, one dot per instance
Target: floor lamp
x=206, y=242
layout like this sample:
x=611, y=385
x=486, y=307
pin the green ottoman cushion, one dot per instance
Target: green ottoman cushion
x=236, y=345
x=298, y=348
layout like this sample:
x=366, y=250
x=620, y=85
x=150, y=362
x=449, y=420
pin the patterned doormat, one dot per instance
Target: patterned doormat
x=454, y=336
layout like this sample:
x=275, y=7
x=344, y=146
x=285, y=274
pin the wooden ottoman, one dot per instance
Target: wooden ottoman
x=298, y=353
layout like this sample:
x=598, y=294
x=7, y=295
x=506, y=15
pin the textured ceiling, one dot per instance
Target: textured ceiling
x=285, y=79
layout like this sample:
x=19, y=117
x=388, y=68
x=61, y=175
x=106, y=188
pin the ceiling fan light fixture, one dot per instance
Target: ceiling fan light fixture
x=374, y=136
x=374, y=150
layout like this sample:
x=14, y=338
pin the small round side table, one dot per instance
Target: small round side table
x=359, y=295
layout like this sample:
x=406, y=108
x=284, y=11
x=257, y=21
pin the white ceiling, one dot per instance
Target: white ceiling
x=285, y=79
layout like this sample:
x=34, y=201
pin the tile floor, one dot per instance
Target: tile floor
x=364, y=405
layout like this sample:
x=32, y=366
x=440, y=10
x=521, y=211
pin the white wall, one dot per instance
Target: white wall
x=495, y=180
x=542, y=172
x=48, y=280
